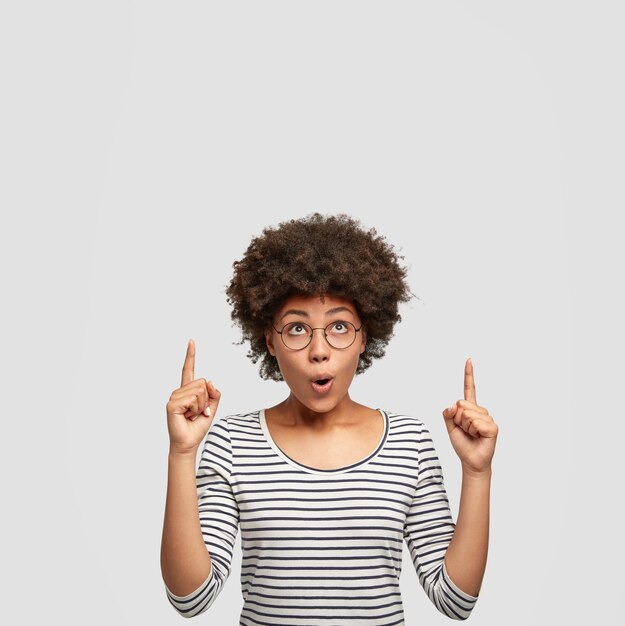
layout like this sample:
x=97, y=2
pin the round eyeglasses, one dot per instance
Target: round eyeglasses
x=297, y=335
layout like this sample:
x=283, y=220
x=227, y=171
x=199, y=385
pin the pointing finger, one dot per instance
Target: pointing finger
x=188, y=368
x=469, y=382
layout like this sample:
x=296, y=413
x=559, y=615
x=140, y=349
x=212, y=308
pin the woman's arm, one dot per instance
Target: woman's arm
x=201, y=524
x=429, y=529
x=473, y=434
x=185, y=561
x=465, y=559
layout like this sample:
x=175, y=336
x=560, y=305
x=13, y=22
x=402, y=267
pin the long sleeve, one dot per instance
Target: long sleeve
x=428, y=531
x=219, y=519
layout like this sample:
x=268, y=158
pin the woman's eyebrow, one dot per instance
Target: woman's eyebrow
x=337, y=309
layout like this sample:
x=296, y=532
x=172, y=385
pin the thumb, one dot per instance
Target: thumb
x=448, y=414
x=214, y=395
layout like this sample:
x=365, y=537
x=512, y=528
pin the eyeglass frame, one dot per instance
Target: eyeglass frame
x=312, y=332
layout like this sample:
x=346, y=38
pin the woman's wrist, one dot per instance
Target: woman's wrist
x=485, y=474
x=178, y=453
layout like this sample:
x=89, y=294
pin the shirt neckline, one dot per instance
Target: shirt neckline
x=315, y=470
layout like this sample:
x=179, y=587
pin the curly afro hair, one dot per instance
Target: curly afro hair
x=317, y=255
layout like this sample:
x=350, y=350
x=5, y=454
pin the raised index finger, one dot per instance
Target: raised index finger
x=189, y=364
x=469, y=382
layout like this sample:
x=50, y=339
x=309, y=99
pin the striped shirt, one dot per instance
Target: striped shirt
x=323, y=546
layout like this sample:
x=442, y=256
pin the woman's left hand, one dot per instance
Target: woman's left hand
x=472, y=430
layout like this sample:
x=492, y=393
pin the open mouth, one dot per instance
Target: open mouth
x=322, y=385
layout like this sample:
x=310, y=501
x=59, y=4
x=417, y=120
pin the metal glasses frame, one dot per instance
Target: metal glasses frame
x=312, y=330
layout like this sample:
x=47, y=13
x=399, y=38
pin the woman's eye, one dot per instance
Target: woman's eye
x=339, y=327
x=297, y=327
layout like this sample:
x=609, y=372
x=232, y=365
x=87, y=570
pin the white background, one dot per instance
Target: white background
x=143, y=144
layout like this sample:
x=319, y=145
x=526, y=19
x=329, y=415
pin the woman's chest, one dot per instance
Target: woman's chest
x=331, y=449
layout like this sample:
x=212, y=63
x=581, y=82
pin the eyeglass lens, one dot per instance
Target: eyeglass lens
x=297, y=335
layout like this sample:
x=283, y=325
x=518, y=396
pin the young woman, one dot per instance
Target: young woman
x=324, y=489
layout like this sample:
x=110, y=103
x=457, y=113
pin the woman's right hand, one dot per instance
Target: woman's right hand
x=191, y=408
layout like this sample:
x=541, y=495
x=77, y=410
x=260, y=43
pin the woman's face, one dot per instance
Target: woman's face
x=319, y=359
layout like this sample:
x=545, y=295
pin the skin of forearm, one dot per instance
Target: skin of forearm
x=185, y=561
x=467, y=552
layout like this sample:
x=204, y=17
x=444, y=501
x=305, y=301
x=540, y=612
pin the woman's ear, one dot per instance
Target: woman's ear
x=269, y=342
x=364, y=340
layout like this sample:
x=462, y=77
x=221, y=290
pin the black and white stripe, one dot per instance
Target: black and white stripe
x=323, y=546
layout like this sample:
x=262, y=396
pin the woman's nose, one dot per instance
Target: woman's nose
x=319, y=344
